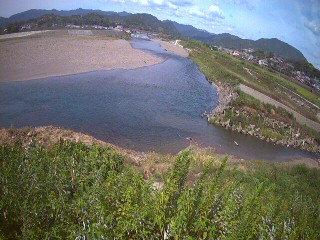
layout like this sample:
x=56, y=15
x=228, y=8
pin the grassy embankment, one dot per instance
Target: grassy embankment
x=220, y=68
x=70, y=190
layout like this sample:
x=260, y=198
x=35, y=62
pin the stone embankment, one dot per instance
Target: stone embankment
x=273, y=131
x=226, y=95
x=270, y=130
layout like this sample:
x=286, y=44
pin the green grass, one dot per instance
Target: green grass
x=219, y=66
x=271, y=134
x=74, y=191
x=245, y=99
x=292, y=86
x=256, y=111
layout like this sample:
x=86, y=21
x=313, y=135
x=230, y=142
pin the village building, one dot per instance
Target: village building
x=263, y=62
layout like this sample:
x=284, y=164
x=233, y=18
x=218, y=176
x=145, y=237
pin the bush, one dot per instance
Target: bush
x=74, y=191
x=283, y=112
x=246, y=100
x=271, y=134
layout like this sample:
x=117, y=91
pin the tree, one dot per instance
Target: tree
x=13, y=28
x=270, y=55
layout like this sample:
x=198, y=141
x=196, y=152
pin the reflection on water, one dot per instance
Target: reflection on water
x=150, y=108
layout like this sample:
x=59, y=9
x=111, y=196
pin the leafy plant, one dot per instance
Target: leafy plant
x=74, y=191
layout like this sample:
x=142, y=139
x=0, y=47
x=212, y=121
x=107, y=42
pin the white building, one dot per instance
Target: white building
x=263, y=62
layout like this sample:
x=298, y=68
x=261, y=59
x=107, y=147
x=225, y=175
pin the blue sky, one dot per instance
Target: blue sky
x=296, y=22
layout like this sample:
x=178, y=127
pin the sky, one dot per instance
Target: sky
x=296, y=22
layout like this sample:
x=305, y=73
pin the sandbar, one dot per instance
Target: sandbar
x=61, y=53
x=173, y=47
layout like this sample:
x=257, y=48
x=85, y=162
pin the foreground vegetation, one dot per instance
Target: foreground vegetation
x=74, y=191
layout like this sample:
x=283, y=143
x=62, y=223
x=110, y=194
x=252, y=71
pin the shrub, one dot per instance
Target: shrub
x=271, y=134
x=74, y=191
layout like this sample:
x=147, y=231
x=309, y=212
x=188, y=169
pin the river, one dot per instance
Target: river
x=154, y=108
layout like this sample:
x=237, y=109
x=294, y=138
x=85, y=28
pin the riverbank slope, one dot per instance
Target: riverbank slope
x=173, y=47
x=143, y=161
x=241, y=112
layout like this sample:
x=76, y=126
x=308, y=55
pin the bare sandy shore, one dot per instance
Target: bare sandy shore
x=172, y=47
x=58, y=54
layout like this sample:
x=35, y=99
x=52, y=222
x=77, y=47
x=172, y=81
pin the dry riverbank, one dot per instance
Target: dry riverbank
x=61, y=53
x=172, y=47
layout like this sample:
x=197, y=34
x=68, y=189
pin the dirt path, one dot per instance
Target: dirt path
x=264, y=98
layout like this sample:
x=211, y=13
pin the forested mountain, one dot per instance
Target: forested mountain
x=45, y=18
x=35, y=13
x=274, y=45
x=227, y=40
x=148, y=22
x=134, y=21
x=190, y=31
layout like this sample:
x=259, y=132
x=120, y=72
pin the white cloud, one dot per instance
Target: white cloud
x=214, y=9
x=313, y=26
x=173, y=4
x=180, y=9
x=212, y=13
x=248, y=3
x=118, y=1
x=196, y=12
x=210, y=17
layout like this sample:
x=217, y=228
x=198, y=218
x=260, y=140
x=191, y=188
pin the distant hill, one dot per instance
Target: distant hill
x=227, y=40
x=280, y=48
x=274, y=45
x=190, y=31
x=230, y=41
x=3, y=21
x=35, y=13
x=151, y=23
x=46, y=19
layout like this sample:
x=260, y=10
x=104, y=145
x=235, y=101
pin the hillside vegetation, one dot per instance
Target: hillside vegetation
x=73, y=191
x=219, y=63
x=250, y=116
x=35, y=13
x=139, y=21
x=267, y=45
x=227, y=40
